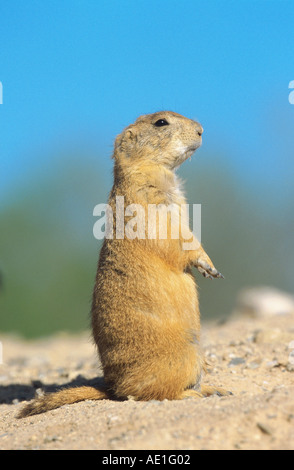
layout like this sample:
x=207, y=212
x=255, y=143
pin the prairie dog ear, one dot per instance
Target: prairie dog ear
x=124, y=141
x=129, y=135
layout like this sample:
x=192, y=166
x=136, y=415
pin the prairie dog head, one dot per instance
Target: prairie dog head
x=165, y=138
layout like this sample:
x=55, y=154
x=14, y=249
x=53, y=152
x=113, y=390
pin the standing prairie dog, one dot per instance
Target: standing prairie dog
x=145, y=312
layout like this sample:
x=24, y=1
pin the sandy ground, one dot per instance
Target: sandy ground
x=253, y=358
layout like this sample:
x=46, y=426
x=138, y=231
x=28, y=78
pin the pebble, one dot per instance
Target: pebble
x=54, y=438
x=236, y=361
x=265, y=428
x=254, y=365
x=112, y=419
x=272, y=364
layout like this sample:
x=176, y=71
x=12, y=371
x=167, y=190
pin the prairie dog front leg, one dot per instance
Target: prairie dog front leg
x=205, y=266
x=199, y=258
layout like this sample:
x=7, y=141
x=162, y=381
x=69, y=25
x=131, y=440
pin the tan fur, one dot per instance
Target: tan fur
x=145, y=313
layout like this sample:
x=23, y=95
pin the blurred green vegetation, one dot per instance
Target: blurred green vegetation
x=48, y=254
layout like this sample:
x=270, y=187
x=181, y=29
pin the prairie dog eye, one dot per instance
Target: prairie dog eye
x=161, y=122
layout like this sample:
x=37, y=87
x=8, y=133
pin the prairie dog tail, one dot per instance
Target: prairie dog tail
x=66, y=396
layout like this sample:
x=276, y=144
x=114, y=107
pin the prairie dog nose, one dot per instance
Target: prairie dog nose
x=199, y=130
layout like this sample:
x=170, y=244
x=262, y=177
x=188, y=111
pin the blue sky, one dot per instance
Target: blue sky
x=77, y=71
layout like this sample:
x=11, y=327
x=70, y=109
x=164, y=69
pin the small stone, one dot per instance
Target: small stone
x=291, y=355
x=264, y=428
x=272, y=364
x=254, y=365
x=236, y=361
x=112, y=419
x=52, y=439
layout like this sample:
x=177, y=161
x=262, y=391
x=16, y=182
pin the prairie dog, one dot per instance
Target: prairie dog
x=145, y=312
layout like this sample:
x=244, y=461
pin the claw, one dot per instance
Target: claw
x=208, y=271
x=219, y=275
x=208, y=276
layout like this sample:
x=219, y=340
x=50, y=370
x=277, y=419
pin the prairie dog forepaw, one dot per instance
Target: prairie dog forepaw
x=207, y=270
